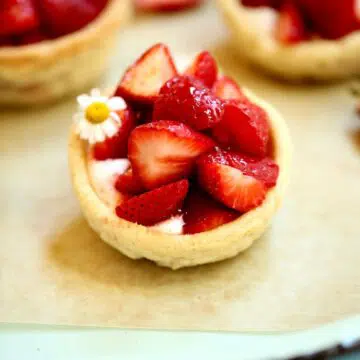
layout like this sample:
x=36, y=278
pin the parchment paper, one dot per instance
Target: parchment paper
x=303, y=272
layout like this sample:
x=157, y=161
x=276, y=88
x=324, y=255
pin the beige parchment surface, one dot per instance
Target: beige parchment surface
x=303, y=272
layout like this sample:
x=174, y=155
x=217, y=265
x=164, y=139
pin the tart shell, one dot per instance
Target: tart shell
x=316, y=60
x=177, y=251
x=46, y=71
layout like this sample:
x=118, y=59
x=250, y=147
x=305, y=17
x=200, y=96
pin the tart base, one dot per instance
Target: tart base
x=47, y=71
x=177, y=251
x=316, y=60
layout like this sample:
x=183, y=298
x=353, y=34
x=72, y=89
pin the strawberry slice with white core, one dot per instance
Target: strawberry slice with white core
x=156, y=205
x=229, y=185
x=143, y=80
x=165, y=151
x=204, y=68
x=166, y=5
x=226, y=88
x=265, y=170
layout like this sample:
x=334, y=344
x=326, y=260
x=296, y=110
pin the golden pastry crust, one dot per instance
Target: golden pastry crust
x=177, y=251
x=319, y=60
x=46, y=71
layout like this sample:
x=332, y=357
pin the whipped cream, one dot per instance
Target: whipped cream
x=173, y=226
x=103, y=175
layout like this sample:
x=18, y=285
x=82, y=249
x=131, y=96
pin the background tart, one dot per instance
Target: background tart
x=46, y=71
x=176, y=251
x=252, y=32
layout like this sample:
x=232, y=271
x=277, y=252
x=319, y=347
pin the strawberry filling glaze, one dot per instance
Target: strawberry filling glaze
x=301, y=20
x=24, y=22
x=196, y=151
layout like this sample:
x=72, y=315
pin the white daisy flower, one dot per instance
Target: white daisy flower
x=97, y=118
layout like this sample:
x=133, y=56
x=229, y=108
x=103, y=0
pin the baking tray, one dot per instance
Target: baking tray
x=318, y=219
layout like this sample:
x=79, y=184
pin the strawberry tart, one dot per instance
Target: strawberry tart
x=297, y=39
x=182, y=167
x=49, y=48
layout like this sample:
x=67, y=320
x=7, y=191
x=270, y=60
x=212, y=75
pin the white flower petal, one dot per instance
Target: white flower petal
x=84, y=101
x=109, y=127
x=84, y=134
x=95, y=93
x=116, y=103
x=101, y=99
x=92, y=138
x=116, y=118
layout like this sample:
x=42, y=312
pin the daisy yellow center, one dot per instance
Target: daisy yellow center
x=97, y=112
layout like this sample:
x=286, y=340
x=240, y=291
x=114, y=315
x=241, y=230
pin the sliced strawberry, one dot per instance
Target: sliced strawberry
x=143, y=80
x=290, y=27
x=226, y=88
x=186, y=99
x=154, y=206
x=202, y=213
x=32, y=37
x=332, y=19
x=63, y=17
x=165, y=151
x=6, y=41
x=244, y=127
x=204, y=68
x=229, y=185
x=129, y=184
x=256, y=3
x=116, y=146
x=17, y=16
x=265, y=170
x=166, y=5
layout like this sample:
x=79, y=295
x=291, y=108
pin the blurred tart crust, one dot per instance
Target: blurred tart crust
x=46, y=71
x=316, y=60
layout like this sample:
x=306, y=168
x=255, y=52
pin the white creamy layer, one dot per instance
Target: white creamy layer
x=103, y=175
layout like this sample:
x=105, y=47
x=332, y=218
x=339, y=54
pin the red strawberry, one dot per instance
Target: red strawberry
x=143, y=80
x=226, y=88
x=244, y=127
x=265, y=170
x=332, y=19
x=256, y=3
x=229, y=185
x=186, y=99
x=290, y=27
x=165, y=5
x=116, y=146
x=17, y=16
x=204, y=68
x=32, y=37
x=165, y=151
x=63, y=17
x=154, y=206
x=6, y=41
x=129, y=184
x=202, y=213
